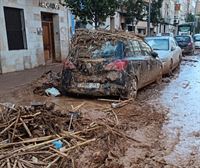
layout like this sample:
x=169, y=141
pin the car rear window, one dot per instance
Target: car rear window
x=197, y=38
x=182, y=38
x=109, y=49
x=158, y=44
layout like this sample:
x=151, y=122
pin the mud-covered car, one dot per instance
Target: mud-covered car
x=168, y=51
x=106, y=64
x=186, y=43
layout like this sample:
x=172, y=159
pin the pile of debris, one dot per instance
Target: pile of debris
x=41, y=136
x=48, y=83
x=87, y=41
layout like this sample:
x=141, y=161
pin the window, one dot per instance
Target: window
x=183, y=38
x=158, y=43
x=196, y=37
x=136, y=48
x=15, y=28
x=146, y=50
x=109, y=49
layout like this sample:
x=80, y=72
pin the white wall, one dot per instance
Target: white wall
x=16, y=60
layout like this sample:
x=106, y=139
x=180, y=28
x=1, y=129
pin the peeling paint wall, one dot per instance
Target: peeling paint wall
x=16, y=60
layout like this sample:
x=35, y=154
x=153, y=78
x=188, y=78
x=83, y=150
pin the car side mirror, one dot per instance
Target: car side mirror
x=154, y=54
x=173, y=48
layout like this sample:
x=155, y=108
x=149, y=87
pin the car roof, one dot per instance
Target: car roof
x=196, y=34
x=158, y=37
x=183, y=36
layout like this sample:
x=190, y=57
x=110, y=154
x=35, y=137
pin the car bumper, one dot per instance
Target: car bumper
x=107, y=84
x=187, y=50
x=108, y=89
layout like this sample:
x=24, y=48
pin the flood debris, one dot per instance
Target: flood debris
x=39, y=136
x=48, y=84
x=102, y=63
x=121, y=104
x=52, y=91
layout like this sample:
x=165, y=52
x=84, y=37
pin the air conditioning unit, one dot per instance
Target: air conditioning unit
x=176, y=21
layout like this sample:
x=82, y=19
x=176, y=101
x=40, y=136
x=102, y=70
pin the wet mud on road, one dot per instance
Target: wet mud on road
x=165, y=120
x=139, y=122
x=182, y=131
x=180, y=94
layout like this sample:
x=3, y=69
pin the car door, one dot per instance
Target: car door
x=154, y=64
x=175, y=52
x=141, y=63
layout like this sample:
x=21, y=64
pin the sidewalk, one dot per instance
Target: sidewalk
x=10, y=81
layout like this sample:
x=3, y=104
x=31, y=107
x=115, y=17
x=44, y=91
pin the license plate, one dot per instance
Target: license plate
x=89, y=85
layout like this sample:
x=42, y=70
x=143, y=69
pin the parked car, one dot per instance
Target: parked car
x=168, y=51
x=196, y=38
x=116, y=65
x=186, y=43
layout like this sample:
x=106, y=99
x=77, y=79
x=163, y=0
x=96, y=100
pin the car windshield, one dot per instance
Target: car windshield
x=158, y=44
x=197, y=38
x=182, y=38
x=110, y=49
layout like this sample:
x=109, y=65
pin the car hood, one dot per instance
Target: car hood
x=163, y=55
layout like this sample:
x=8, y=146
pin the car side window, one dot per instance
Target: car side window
x=136, y=48
x=146, y=50
x=129, y=52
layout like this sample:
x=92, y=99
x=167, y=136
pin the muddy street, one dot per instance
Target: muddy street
x=182, y=130
x=159, y=129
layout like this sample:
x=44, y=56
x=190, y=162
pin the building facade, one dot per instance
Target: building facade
x=197, y=7
x=32, y=33
x=168, y=15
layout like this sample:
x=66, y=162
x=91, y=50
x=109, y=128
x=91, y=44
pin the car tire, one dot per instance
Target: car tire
x=159, y=78
x=132, y=89
x=180, y=59
x=192, y=52
x=171, y=68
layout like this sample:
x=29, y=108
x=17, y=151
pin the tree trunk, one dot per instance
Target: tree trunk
x=96, y=24
x=133, y=25
x=96, y=21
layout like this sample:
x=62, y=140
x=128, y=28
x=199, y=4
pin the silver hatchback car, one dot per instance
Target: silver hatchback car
x=168, y=51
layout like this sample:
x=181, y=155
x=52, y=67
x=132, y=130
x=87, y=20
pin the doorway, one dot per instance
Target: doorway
x=48, y=37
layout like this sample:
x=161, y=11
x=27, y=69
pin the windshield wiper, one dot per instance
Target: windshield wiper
x=157, y=49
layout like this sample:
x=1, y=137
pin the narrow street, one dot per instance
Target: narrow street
x=165, y=120
x=100, y=84
x=182, y=130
